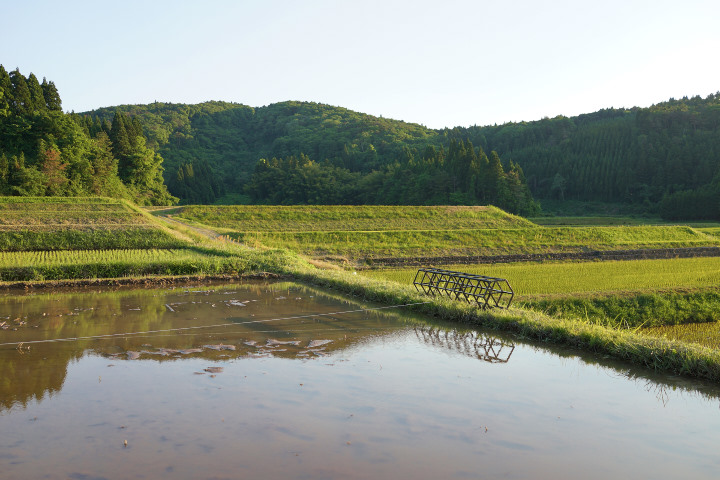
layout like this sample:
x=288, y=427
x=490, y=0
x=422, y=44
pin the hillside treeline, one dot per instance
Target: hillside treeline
x=663, y=159
x=305, y=153
x=44, y=151
x=464, y=175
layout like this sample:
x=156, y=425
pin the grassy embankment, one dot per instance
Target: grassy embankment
x=367, y=234
x=90, y=238
x=62, y=235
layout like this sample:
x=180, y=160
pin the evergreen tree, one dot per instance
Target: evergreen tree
x=5, y=92
x=121, y=145
x=21, y=99
x=51, y=96
x=496, y=187
x=36, y=94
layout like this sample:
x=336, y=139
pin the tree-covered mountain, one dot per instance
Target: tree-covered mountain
x=665, y=157
x=301, y=152
x=44, y=151
x=662, y=159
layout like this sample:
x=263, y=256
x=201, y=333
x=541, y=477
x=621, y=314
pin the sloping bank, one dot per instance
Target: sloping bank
x=655, y=353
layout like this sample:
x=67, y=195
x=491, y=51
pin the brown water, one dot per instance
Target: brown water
x=254, y=393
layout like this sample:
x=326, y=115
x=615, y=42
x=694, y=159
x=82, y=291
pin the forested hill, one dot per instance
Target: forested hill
x=231, y=137
x=309, y=153
x=667, y=155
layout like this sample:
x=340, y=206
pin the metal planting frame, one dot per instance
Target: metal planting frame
x=487, y=292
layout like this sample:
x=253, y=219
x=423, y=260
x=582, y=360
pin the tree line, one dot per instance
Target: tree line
x=654, y=159
x=44, y=151
x=464, y=175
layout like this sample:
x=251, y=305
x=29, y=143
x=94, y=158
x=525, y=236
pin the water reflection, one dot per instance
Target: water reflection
x=47, y=331
x=286, y=381
x=471, y=343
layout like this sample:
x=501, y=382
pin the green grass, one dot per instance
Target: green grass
x=617, y=294
x=438, y=243
x=705, y=334
x=81, y=257
x=305, y=218
x=45, y=202
x=70, y=218
x=36, y=266
x=86, y=238
x=56, y=223
x=592, y=221
x=532, y=278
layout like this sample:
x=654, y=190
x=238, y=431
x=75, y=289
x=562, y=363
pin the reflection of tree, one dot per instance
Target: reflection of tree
x=470, y=343
x=35, y=370
x=25, y=377
x=61, y=326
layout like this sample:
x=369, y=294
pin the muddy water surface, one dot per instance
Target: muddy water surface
x=286, y=381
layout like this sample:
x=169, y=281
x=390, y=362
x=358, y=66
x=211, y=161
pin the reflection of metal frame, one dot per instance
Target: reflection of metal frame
x=487, y=292
x=472, y=344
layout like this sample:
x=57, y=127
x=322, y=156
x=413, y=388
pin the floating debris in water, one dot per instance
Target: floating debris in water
x=188, y=351
x=272, y=341
x=213, y=369
x=220, y=347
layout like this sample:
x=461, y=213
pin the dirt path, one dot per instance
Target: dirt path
x=166, y=214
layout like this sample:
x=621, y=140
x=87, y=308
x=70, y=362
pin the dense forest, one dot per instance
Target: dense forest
x=44, y=151
x=308, y=153
x=664, y=159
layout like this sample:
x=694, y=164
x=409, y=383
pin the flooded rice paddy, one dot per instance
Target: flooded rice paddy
x=280, y=380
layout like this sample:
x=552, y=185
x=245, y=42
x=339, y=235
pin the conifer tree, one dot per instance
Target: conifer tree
x=52, y=96
x=120, y=140
x=21, y=98
x=495, y=178
x=5, y=92
x=36, y=93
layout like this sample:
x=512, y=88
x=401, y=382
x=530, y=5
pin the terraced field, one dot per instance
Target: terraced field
x=632, y=293
x=387, y=234
x=310, y=218
x=596, y=305
x=65, y=238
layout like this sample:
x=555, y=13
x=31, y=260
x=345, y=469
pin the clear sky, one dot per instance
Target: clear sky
x=438, y=63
